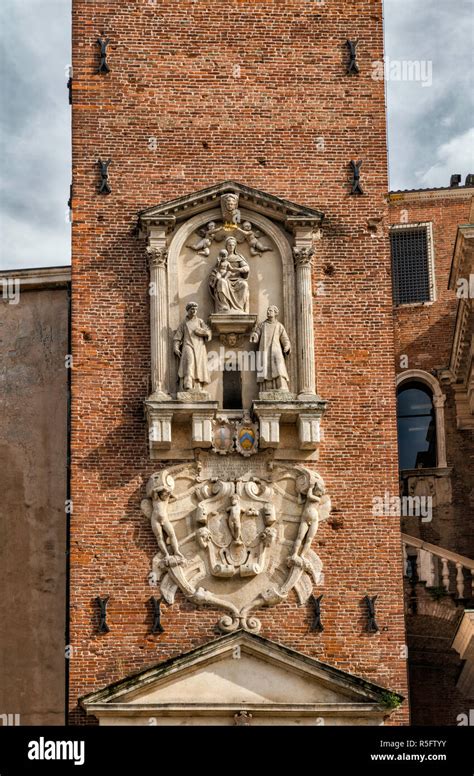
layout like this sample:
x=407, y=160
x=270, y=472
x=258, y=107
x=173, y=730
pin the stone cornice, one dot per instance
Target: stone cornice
x=38, y=277
x=395, y=197
x=168, y=213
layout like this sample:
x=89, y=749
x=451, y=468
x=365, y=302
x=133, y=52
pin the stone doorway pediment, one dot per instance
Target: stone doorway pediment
x=241, y=678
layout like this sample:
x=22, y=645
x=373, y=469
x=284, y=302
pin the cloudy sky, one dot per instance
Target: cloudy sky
x=431, y=127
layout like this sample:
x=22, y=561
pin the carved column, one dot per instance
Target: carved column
x=303, y=253
x=157, y=258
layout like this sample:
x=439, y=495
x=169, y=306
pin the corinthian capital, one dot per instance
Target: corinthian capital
x=157, y=257
x=303, y=255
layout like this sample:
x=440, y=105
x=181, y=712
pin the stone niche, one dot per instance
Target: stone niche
x=237, y=373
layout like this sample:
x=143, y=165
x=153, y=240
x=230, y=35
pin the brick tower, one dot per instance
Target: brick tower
x=269, y=102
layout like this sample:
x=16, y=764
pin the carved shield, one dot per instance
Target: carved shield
x=223, y=432
x=236, y=538
x=246, y=439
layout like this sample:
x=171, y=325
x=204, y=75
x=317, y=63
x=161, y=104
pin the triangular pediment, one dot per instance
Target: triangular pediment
x=238, y=671
x=253, y=199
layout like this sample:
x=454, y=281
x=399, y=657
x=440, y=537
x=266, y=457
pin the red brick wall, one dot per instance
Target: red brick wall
x=172, y=78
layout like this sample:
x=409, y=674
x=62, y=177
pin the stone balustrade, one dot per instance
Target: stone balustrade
x=438, y=567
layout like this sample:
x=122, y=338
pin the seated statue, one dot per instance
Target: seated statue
x=228, y=280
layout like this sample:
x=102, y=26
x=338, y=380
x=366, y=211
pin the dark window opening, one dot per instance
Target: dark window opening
x=410, y=265
x=416, y=426
x=232, y=385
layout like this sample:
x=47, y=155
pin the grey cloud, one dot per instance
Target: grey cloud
x=35, y=132
x=422, y=120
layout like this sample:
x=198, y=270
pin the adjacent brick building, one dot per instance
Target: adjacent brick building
x=433, y=341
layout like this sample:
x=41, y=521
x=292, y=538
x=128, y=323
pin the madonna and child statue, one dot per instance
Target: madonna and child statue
x=228, y=281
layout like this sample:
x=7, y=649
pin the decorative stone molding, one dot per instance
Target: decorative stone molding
x=202, y=429
x=269, y=418
x=309, y=430
x=281, y=210
x=228, y=324
x=461, y=367
x=307, y=415
x=159, y=428
x=161, y=415
x=433, y=483
x=238, y=523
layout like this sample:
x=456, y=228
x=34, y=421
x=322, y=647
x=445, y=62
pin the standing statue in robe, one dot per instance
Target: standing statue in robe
x=189, y=346
x=274, y=345
x=228, y=280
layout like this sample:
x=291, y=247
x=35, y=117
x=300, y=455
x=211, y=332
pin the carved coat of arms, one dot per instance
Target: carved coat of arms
x=237, y=542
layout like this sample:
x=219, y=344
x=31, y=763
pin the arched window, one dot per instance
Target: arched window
x=420, y=420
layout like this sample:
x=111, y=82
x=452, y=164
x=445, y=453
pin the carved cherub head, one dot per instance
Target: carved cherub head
x=247, y=226
x=230, y=202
